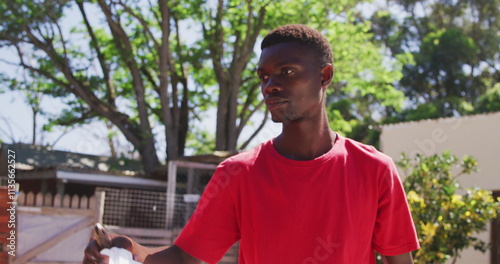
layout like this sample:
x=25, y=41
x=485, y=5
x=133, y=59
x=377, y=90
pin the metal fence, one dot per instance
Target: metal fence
x=144, y=209
x=148, y=209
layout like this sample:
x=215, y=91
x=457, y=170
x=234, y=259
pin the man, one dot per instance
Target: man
x=307, y=196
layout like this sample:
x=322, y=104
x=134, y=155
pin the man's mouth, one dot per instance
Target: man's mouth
x=274, y=103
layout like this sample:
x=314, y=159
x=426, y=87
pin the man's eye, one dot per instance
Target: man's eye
x=263, y=77
x=287, y=71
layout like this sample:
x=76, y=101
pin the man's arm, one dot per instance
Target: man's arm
x=145, y=255
x=398, y=259
x=171, y=255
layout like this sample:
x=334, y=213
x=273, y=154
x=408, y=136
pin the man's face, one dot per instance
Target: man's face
x=291, y=82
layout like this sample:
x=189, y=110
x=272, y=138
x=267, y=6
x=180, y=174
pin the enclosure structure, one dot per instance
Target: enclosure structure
x=63, y=194
x=43, y=169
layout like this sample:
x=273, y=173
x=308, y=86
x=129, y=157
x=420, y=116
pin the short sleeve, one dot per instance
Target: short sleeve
x=213, y=228
x=394, y=232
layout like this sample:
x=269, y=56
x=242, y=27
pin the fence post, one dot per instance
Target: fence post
x=66, y=202
x=21, y=198
x=39, y=199
x=100, y=198
x=30, y=199
x=75, y=201
x=47, y=200
x=58, y=200
x=190, y=180
x=170, y=207
x=84, y=202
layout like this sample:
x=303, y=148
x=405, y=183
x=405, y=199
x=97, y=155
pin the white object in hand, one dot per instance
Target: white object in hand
x=119, y=256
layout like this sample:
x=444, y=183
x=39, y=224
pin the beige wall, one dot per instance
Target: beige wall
x=477, y=136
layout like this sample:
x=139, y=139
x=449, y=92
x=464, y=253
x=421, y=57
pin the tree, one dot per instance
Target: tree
x=33, y=99
x=447, y=217
x=364, y=86
x=455, y=49
x=68, y=69
x=147, y=67
x=368, y=84
x=490, y=101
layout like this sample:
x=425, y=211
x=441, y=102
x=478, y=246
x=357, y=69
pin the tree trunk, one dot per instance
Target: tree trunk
x=183, y=120
x=230, y=78
x=149, y=159
x=221, y=131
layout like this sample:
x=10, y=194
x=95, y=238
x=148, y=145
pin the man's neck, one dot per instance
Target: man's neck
x=301, y=141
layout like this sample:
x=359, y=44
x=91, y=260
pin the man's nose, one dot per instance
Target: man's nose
x=271, y=86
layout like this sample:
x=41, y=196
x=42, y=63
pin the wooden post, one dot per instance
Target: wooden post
x=75, y=202
x=58, y=200
x=171, y=184
x=84, y=202
x=30, y=199
x=47, y=200
x=99, y=205
x=66, y=202
x=190, y=180
x=61, y=187
x=39, y=199
x=21, y=199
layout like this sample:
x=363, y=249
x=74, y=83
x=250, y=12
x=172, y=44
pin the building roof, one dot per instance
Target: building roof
x=443, y=119
x=214, y=158
x=31, y=157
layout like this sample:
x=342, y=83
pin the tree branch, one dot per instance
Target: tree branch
x=110, y=91
x=252, y=37
x=10, y=133
x=126, y=52
x=169, y=116
x=149, y=77
x=216, y=47
x=245, y=119
x=248, y=102
x=256, y=132
x=46, y=75
x=158, y=19
x=143, y=23
x=86, y=115
x=65, y=132
x=122, y=121
x=238, y=59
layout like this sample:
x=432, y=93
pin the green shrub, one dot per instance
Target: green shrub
x=447, y=216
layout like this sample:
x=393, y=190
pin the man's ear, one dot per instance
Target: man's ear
x=327, y=74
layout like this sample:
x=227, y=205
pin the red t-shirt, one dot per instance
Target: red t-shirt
x=337, y=208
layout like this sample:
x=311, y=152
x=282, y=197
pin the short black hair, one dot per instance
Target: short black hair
x=302, y=34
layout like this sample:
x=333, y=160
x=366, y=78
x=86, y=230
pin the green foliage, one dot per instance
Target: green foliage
x=438, y=72
x=490, y=101
x=108, y=65
x=432, y=110
x=200, y=142
x=423, y=111
x=364, y=81
x=455, y=49
x=447, y=217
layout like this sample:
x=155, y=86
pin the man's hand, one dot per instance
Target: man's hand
x=92, y=253
x=163, y=255
x=171, y=255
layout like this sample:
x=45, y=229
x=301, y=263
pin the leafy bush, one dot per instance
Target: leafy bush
x=447, y=216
